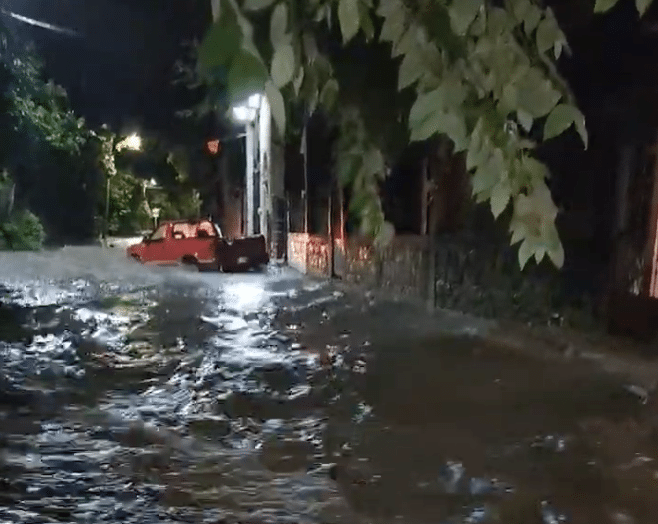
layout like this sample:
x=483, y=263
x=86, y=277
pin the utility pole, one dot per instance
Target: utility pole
x=304, y=148
x=330, y=226
x=264, y=121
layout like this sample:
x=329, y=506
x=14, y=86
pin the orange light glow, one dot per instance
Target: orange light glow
x=213, y=146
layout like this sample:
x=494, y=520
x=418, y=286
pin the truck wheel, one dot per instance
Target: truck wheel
x=189, y=264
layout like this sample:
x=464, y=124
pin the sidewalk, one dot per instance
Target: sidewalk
x=634, y=361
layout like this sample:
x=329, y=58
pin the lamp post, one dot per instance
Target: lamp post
x=132, y=142
x=247, y=114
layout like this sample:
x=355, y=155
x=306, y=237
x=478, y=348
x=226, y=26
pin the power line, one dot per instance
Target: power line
x=43, y=25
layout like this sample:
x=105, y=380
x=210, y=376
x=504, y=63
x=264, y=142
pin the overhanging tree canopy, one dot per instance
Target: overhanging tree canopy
x=482, y=72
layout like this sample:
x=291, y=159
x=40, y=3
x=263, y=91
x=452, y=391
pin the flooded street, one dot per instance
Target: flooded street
x=139, y=395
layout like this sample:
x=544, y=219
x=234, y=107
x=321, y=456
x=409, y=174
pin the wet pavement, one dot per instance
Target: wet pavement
x=138, y=395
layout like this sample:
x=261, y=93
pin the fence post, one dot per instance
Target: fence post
x=287, y=227
x=431, y=273
x=330, y=227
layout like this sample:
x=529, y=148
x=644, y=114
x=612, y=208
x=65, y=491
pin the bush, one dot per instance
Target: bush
x=22, y=232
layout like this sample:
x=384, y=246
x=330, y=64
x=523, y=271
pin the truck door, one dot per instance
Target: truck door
x=154, y=248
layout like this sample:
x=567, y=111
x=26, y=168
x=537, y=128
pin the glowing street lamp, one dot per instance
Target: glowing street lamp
x=247, y=113
x=132, y=142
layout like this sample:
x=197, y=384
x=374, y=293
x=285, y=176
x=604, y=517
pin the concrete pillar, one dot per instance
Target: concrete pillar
x=264, y=125
x=251, y=148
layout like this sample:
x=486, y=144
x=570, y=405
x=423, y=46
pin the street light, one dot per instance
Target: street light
x=132, y=142
x=248, y=112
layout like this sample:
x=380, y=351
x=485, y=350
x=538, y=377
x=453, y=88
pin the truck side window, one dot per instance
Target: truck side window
x=179, y=231
x=205, y=230
x=159, y=233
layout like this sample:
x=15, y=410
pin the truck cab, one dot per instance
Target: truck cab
x=198, y=244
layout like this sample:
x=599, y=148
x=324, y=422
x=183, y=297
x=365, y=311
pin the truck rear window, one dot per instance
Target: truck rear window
x=189, y=230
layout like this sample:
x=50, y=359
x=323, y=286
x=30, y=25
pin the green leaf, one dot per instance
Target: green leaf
x=579, y=121
x=536, y=171
x=349, y=18
x=347, y=167
x=483, y=196
x=500, y=196
x=520, y=8
x=388, y=8
x=537, y=96
x=411, y=69
x=246, y=76
x=499, y=21
x=537, y=205
x=453, y=125
x=256, y=5
x=518, y=230
x=602, y=6
x=425, y=129
x=479, y=25
x=406, y=44
x=329, y=94
x=548, y=33
x=374, y=163
x=488, y=174
x=525, y=252
x=394, y=14
x=557, y=255
x=310, y=88
x=540, y=253
x=478, y=150
x=310, y=47
x=366, y=21
x=525, y=119
x=277, y=106
x=283, y=65
x=455, y=92
x=220, y=45
x=462, y=14
x=642, y=6
x=297, y=82
x=509, y=100
x=425, y=105
x=561, y=118
x=279, y=25
x=359, y=202
x=532, y=18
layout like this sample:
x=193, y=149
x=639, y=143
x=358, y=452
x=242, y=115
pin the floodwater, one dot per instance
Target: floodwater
x=136, y=395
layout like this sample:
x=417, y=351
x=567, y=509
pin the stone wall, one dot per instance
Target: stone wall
x=400, y=268
x=476, y=272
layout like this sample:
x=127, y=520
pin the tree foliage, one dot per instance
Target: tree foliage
x=47, y=150
x=481, y=73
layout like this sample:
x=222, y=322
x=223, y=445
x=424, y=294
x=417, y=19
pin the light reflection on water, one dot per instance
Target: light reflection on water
x=229, y=415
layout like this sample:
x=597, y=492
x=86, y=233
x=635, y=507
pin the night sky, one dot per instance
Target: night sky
x=119, y=70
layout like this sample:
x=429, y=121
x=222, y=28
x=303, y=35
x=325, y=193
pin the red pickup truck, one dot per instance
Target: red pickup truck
x=199, y=245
